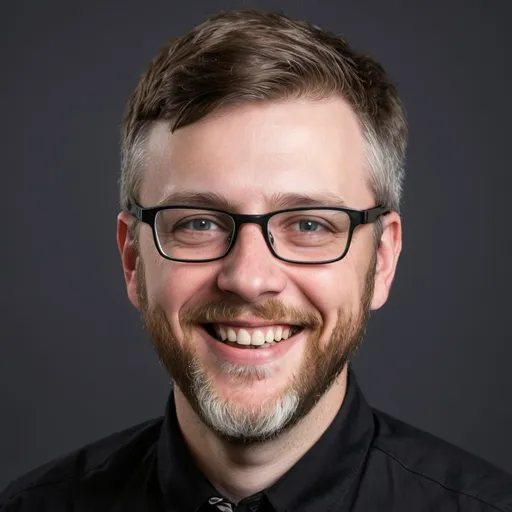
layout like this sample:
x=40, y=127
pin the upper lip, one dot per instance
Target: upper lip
x=250, y=323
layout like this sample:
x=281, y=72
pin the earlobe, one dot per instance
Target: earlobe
x=388, y=253
x=129, y=255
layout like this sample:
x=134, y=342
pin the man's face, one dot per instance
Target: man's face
x=253, y=156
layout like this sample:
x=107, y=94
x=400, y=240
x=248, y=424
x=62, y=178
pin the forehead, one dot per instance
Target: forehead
x=256, y=152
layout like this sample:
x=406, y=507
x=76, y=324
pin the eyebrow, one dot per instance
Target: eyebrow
x=200, y=199
x=278, y=201
x=293, y=200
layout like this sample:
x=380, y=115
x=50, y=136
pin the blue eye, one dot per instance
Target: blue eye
x=198, y=224
x=202, y=224
x=309, y=225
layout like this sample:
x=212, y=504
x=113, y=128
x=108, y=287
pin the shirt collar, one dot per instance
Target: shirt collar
x=320, y=478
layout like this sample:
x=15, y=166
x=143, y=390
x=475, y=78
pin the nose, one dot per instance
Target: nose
x=250, y=270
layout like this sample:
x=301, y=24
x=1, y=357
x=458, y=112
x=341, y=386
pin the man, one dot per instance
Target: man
x=262, y=169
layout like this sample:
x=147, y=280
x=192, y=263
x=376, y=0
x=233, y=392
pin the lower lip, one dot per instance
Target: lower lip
x=251, y=356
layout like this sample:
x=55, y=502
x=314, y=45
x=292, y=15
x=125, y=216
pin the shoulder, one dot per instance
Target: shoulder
x=441, y=466
x=103, y=457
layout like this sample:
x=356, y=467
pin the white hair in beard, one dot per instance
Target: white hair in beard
x=227, y=419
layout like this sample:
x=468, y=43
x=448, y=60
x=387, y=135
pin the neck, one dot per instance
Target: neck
x=239, y=471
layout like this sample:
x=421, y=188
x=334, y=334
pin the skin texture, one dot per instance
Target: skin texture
x=248, y=154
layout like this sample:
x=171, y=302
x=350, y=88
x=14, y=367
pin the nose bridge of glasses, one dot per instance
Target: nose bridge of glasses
x=260, y=220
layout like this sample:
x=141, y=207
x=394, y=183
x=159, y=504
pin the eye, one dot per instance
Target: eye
x=199, y=224
x=203, y=224
x=308, y=225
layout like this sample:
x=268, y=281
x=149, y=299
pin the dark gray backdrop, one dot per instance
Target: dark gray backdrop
x=75, y=364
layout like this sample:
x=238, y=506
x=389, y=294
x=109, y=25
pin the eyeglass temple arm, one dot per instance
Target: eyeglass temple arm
x=135, y=210
x=373, y=214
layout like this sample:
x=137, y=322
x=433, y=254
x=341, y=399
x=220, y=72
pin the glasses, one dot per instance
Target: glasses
x=297, y=235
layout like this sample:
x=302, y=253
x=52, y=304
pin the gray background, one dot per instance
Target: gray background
x=75, y=364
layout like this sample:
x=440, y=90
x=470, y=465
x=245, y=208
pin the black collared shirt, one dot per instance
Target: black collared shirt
x=365, y=461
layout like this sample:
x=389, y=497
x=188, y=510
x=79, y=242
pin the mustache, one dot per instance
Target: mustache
x=271, y=310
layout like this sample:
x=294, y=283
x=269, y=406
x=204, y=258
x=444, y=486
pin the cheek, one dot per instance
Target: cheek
x=176, y=286
x=331, y=288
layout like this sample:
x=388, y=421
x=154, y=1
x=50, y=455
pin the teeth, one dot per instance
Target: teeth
x=256, y=337
x=231, y=334
x=243, y=338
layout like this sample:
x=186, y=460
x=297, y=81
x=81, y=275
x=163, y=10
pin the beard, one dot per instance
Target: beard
x=319, y=368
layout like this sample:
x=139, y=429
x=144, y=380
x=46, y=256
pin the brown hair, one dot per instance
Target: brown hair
x=248, y=55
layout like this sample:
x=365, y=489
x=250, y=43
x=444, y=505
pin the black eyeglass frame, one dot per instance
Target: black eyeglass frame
x=357, y=218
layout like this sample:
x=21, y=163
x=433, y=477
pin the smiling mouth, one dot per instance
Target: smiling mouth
x=263, y=337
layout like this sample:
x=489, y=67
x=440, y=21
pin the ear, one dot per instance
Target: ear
x=388, y=253
x=128, y=255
